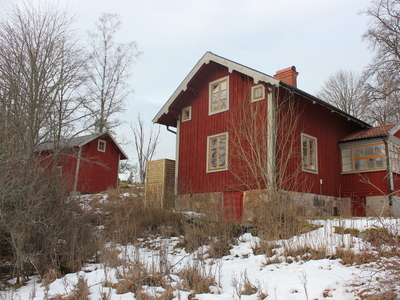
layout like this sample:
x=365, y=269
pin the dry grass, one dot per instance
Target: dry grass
x=197, y=278
x=80, y=291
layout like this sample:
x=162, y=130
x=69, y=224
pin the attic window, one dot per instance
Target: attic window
x=219, y=96
x=257, y=93
x=101, y=146
x=186, y=114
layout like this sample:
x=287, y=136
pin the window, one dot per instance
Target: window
x=394, y=154
x=257, y=93
x=364, y=158
x=309, y=153
x=59, y=171
x=217, y=152
x=101, y=146
x=186, y=114
x=219, y=96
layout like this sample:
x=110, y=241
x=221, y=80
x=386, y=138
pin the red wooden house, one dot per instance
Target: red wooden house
x=87, y=164
x=239, y=130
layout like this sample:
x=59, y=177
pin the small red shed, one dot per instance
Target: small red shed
x=87, y=164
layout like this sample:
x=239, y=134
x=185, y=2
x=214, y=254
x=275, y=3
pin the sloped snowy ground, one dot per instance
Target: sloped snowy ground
x=313, y=279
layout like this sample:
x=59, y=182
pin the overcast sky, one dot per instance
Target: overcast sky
x=319, y=37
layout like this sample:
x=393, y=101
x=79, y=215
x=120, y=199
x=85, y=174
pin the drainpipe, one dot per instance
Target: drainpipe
x=78, y=163
x=389, y=171
x=271, y=139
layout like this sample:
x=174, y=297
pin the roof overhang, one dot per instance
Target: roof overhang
x=206, y=59
x=166, y=115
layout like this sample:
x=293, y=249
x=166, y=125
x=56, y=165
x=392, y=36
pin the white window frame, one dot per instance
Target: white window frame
x=99, y=147
x=253, y=91
x=309, y=137
x=210, y=102
x=208, y=160
x=394, y=156
x=352, y=149
x=184, y=110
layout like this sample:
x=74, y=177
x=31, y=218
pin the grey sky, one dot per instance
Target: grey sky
x=319, y=37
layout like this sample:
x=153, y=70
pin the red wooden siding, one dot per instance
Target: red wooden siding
x=312, y=119
x=98, y=170
x=364, y=184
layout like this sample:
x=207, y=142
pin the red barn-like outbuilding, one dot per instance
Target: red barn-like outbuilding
x=87, y=164
x=239, y=131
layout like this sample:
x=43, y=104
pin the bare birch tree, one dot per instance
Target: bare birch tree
x=145, y=146
x=110, y=66
x=346, y=90
x=40, y=69
x=383, y=37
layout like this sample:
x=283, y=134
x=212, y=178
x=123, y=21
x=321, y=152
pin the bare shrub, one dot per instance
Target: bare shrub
x=243, y=285
x=80, y=291
x=197, y=278
x=209, y=230
x=128, y=218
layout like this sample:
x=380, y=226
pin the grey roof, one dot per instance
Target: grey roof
x=78, y=141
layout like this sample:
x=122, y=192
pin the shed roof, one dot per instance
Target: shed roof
x=80, y=141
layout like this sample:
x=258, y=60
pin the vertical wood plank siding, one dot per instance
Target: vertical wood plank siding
x=313, y=119
x=98, y=170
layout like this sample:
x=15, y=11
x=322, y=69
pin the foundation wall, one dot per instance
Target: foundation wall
x=378, y=206
x=253, y=200
x=306, y=204
x=208, y=203
x=395, y=208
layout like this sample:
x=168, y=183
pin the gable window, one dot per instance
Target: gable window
x=364, y=158
x=257, y=93
x=101, y=146
x=217, y=152
x=219, y=95
x=186, y=114
x=309, y=153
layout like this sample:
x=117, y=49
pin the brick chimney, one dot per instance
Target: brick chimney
x=288, y=75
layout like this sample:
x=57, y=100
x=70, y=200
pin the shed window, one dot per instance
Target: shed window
x=309, y=153
x=217, y=152
x=101, y=146
x=219, y=95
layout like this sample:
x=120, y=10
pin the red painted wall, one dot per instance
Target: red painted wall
x=364, y=184
x=312, y=119
x=98, y=170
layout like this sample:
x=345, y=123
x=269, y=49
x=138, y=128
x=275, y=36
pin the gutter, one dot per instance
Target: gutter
x=170, y=129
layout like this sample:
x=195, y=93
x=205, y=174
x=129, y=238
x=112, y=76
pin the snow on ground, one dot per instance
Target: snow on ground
x=314, y=279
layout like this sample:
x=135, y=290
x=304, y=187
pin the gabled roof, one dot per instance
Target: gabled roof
x=257, y=76
x=231, y=65
x=377, y=131
x=80, y=141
